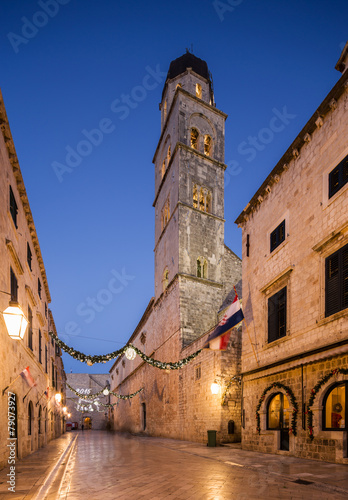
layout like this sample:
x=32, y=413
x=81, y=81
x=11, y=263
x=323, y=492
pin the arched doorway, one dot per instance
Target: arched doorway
x=278, y=418
x=87, y=422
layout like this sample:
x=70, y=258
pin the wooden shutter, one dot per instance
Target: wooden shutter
x=345, y=277
x=272, y=318
x=332, y=288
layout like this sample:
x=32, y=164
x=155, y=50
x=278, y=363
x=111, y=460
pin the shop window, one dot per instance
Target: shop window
x=194, y=138
x=29, y=256
x=14, y=286
x=336, y=281
x=277, y=315
x=338, y=177
x=277, y=236
x=13, y=207
x=198, y=91
x=278, y=412
x=207, y=145
x=335, y=408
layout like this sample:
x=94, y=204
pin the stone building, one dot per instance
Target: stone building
x=89, y=412
x=37, y=418
x=295, y=275
x=194, y=274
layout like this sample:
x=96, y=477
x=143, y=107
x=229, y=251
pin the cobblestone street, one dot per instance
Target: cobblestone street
x=93, y=465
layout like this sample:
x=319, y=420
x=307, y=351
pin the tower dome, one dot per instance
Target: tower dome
x=188, y=60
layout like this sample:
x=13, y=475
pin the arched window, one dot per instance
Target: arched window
x=201, y=200
x=178, y=85
x=30, y=418
x=278, y=412
x=207, y=145
x=208, y=202
x=165, y=279
x=205, y=269
x=165, y=110
x=336, y=408
x=199, y=268
x=163, y=171
x=195, y=196
x=39, y=421
x=198, y=91
x=194, y=138
x=169, y=154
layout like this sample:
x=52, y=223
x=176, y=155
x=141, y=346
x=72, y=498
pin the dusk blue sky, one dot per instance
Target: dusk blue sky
x=65, y=76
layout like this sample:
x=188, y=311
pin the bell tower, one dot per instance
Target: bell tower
x=189, y=196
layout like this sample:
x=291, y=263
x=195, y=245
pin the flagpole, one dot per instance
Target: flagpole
x=28, y=392
x=252, y=345
x=13, y=381
x=246, y=327
x=43, y=392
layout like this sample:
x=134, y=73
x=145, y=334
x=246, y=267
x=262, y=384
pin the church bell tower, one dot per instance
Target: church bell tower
x=189, y=196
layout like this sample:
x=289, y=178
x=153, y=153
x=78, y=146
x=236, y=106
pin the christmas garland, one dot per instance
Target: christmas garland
x=229, y=383
x=314, y=392
x=91, y=396
x=288, y=391
x=103, y=358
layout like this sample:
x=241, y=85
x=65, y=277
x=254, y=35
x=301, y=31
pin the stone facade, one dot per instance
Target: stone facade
x=91, y=411
x=194, y=273
x=293, y=224
x=38, y=418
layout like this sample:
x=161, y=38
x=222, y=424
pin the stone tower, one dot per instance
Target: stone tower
x=189, y=198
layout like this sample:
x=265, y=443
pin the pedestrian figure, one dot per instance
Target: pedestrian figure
x=82, y=426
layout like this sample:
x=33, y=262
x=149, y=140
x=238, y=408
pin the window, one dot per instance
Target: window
x=277, y=236
x=202, y=198
x=198, y=91
x=336, y=281
x=30, y=417
x=194, y=138
x=335, y=408
x=165, y=110
x=277, y=315
x=39, y=287
x=29, y=256
x=13, y=207
x=165, y=215
x=198, y=372
x=30, y=329
x=165, y=279
x=53, y=384
x=169, y=155
x=202, y=267
x=39, y=421
x=40, y=347
x=14, y=286
x=46, y=309
x=338, y=177
x=46, y=359
x=278, y=412
x=178, y=85
x=163, y=171
x=207, y=145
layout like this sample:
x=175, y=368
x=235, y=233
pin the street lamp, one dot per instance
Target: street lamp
x=58, y=397
x=214, y=387
x=69, y=415
x=65, y=409
x=16, y=322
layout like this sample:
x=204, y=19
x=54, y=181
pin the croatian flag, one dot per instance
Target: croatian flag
x=26, y=375
x=219, y=337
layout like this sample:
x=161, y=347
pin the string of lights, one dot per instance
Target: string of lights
x=128, y=350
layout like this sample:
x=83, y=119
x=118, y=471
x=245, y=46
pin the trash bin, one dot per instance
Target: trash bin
x=211, y=438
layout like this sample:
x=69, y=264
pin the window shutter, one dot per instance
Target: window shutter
x=332, y=289
x=272, y=318
x=282, y=313
x=345, y=277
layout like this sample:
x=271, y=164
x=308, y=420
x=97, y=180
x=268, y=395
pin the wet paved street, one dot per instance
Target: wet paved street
x=100, y=465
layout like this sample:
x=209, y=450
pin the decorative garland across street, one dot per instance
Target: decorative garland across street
x=314, y=392
x=91, y=396
x=235, y=378
x=288, y=391
x=103, y=358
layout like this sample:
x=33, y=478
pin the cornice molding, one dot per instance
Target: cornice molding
x=15, y=257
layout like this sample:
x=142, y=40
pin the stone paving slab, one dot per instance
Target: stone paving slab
x=32, y=470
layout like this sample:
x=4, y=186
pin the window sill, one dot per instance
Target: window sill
x=279, y=247
x=333, y=317
x=274, y=343
x=334, y=197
